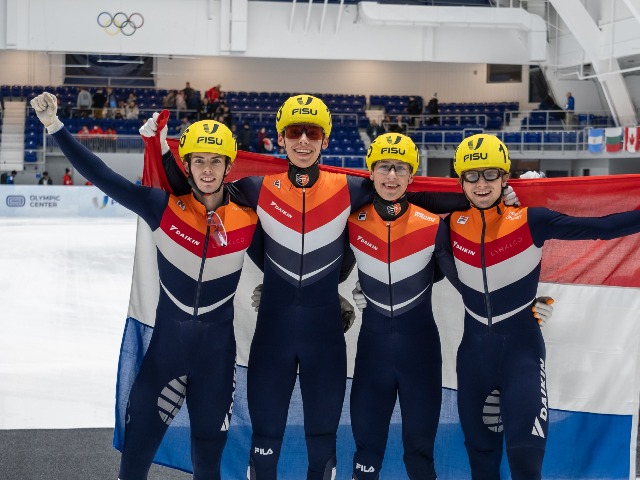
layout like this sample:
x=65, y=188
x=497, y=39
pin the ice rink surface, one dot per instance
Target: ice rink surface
x=64, y=292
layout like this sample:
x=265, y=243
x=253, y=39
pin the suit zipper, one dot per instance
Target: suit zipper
x=487, y=296
x=196, y=300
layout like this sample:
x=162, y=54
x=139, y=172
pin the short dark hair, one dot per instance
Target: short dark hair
x=67, y=170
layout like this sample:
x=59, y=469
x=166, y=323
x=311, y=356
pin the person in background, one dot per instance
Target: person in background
x=67, y=179
x=188, y=91
x=569, y=108
x=213, y=93
x=11, y=178
x=262, y=134
x=169, y=100
x=110, y=137
x=245, y=137
x=45, y=180
x=433, y=110
x=397, y=127
x=374, y=130
x=98, y=102
x=414, y=109
x=206, y=111
x=84, y=102
x=132, y=111
x=111, y=103
x=84, y=132
x=184, y=124
x=181, y=102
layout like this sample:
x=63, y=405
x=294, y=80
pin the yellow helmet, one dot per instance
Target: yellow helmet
x=304, y=109
x=481, y=151
x=208, y=136
x=393, y=146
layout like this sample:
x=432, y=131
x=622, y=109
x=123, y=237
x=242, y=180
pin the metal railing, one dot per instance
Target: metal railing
x=101, y=143
x=522, y=141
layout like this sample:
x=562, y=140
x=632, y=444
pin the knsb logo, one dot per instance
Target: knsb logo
x=365, y=468
x=262, y=451
x=302, y=179
x=393, y=209
x=276, y=183
x=393, y=140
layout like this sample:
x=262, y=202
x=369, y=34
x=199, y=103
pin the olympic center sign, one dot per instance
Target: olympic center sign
x=58, y=201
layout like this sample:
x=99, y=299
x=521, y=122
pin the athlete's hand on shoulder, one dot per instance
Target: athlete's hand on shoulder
x=348, y=313
x=46, y=107
x=359, y=298
x=509, y=196
x=150, y=128
x=255, y=297
x=542, y=309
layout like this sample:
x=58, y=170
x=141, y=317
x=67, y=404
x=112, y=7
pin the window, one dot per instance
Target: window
x=504, y=73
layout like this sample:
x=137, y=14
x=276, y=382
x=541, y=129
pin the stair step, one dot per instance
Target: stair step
x=12, y=137
x=12, y=157
x=12, y=129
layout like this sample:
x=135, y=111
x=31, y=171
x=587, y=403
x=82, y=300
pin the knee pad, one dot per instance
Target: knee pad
x=264, y=456
x=525, y=462
x=420, y=467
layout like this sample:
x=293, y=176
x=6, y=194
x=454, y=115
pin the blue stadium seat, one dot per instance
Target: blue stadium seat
x=354, y=162
x=30, y=156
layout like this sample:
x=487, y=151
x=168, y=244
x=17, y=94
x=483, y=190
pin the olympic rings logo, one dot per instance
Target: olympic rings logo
x=120, y=23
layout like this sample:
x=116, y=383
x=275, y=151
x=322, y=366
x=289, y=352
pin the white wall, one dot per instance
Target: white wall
x=277, y=30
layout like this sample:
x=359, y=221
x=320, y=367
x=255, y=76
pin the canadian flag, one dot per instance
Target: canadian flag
x=631, y=139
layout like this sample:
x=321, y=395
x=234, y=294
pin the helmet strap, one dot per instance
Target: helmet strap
x=304, y=177
x=390, y=210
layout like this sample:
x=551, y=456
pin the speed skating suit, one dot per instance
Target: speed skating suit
x=398, y=352
x=501, y=365
x=192, y=351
